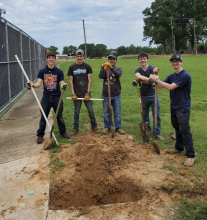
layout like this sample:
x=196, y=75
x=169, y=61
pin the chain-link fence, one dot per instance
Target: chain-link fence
x=14, y=41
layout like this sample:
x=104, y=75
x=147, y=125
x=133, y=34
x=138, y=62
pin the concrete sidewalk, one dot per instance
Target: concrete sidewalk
x=23, y=163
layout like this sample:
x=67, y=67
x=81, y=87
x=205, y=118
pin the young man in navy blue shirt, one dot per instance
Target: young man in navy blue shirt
x=148, y=93
x=179, y=85
x=50, y=76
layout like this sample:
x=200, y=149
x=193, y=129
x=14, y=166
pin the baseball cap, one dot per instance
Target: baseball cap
x=113, y=54
x=51, y=54
x=79, y=51
x=176, y=56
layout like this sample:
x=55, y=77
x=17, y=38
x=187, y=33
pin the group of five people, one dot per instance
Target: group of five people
x=80, y=74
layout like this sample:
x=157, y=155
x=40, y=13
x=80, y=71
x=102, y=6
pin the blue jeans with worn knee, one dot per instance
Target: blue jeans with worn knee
x=47, y=103
x=147, y=102
x=89, y=106
x=180, y=121
x=116, y=105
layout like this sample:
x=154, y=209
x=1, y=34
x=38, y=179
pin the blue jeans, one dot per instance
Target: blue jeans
x=147, y=102
x=116, y=104
x=89, y=106
x=180, y=121
x=47, y=103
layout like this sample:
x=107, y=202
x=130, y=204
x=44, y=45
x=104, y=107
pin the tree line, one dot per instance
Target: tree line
x=176, y=23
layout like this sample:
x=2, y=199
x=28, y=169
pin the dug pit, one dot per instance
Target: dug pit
x=100, y=170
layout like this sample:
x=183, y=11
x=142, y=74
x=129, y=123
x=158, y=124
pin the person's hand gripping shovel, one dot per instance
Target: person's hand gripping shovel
x=109, y=96
x=50, y=139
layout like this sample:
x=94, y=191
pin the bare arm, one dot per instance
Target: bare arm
x=38, y=83
x=143, y=78
x=167, y=86
x=89, y=82
x=71, y=85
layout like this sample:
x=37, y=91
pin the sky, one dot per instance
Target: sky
x=60, y=22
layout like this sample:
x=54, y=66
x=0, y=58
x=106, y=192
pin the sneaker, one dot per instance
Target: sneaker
x=105, y=130
x=74, y=132
x=40, y=139
x=95, y=130
x=189, y=162
x=173, y=151
x=120, y=131
x=65, y=136
x=159, y=137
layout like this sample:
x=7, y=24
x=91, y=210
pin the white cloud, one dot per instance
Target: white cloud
x=59, y=23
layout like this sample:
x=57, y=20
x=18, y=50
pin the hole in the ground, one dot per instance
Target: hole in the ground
x=95, y=173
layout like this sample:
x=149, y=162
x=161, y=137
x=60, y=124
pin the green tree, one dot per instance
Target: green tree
x=121, y=50
x=131, y=49
x=53, y=49
x=65, y=50
x=91, y=50
x=158, y=26
x=101, y=50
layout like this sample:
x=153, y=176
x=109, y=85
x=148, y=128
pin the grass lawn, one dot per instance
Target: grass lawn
x=195, y=65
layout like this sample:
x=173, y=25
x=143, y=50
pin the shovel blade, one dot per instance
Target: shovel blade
x=113, y=132
x=155, y=146
x=144, y=131
x=47, y=143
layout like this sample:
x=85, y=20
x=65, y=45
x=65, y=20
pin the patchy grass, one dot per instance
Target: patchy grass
x=190, y=210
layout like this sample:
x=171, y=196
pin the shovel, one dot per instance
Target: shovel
x=50, y=140
x=143, y=125
x=109, y=95
x=154, y=143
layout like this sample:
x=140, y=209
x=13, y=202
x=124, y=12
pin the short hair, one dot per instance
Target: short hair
x=51, y=54
x=143, y=55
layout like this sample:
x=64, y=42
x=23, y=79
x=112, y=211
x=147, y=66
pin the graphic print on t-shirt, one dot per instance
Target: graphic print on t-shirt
x=50, y=81
x=79, y=71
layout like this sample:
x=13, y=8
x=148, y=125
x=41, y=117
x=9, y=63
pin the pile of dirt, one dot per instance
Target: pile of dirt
x=101, y=170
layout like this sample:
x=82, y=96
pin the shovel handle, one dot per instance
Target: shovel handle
x=57, y=110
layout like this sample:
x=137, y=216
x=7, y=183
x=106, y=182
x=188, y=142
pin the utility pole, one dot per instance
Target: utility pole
x=195, y=43
x=85, y=39
x=173, y=42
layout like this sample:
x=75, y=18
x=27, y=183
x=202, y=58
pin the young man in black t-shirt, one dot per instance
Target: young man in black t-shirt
x=50, y=76
x=80, y=85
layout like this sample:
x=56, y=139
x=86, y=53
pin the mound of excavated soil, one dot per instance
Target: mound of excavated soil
x=102, y=170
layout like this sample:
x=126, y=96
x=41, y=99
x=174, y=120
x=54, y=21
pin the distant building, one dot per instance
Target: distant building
x=63, y=56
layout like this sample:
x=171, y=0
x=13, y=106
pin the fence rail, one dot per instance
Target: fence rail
x=14, y=41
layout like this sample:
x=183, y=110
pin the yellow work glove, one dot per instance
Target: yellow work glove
x=87, y=97
x=74, y=97
x=106, y=64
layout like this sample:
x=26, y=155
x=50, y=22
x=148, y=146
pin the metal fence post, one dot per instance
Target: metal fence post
x=21, y=56
x=7, y=57
x=30, y=62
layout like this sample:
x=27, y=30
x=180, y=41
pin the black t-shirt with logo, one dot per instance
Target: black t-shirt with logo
x=80, y=77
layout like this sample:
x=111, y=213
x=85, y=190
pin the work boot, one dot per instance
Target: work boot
x=120, y=131
x=159, y=137
x=173, y=151
x=189, y=162
x=105, y=130
x=40, y=139
x=95, y=130
x=65, y=136
x=74, y=132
